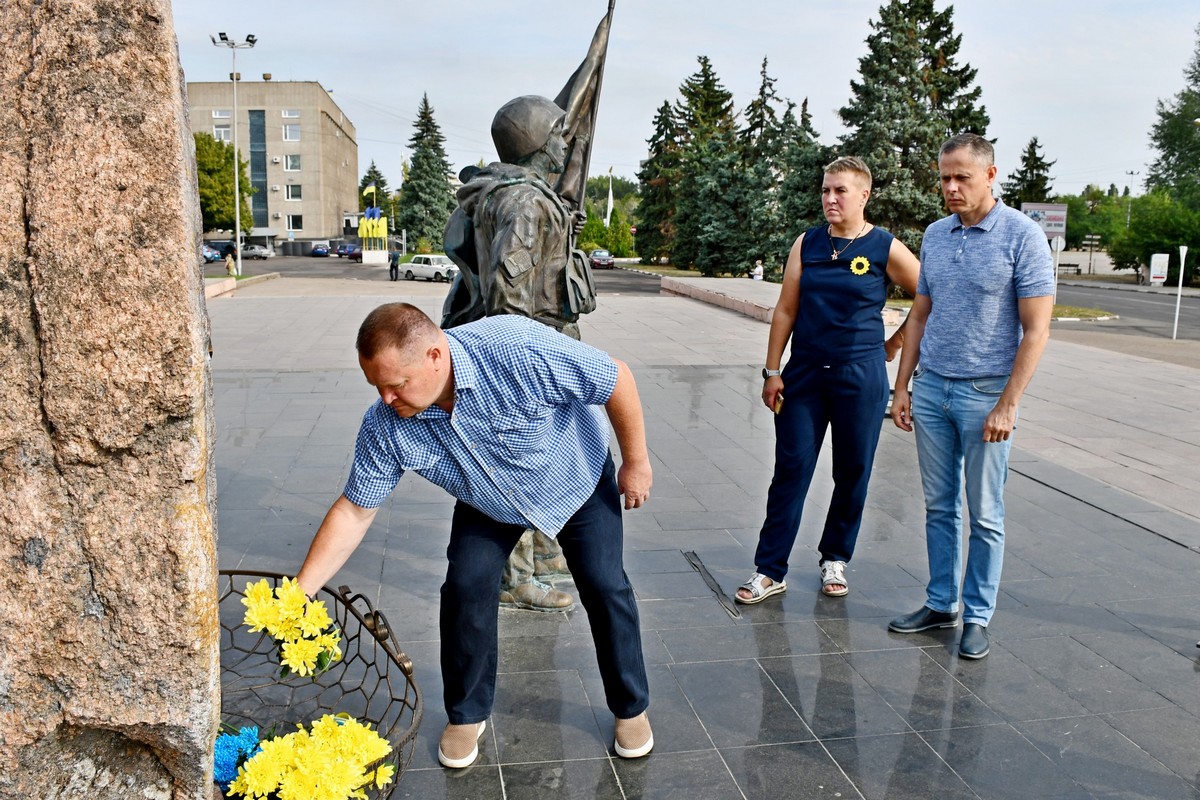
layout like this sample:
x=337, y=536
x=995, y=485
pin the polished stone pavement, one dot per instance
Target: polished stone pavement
x=1091, y=688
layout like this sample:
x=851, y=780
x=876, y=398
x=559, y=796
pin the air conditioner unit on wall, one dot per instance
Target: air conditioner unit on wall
x=275, y=159
x=276, y=215
x=275, y=188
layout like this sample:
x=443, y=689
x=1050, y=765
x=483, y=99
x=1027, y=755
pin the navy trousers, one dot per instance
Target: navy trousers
x=849, y=400
x=592, y=543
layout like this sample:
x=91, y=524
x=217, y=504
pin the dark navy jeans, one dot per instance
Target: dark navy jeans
x=592, y=543
x=849, y=400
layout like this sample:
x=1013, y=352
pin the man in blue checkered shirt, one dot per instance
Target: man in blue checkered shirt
x=505, y=415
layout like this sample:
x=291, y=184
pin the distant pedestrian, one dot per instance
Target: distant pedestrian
x=230, y=264
x=831, y=308
x=394, y=265
x=757, y=272
x=976, y=332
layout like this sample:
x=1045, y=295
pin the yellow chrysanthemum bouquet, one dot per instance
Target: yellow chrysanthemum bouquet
x=308, y=639
x=331, y=760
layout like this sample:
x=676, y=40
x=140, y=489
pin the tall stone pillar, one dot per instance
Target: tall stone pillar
x=109, y=662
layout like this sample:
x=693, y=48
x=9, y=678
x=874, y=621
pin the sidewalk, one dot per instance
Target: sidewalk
x=1090, y=689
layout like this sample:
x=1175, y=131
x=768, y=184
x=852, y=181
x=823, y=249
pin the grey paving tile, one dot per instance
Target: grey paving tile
x=585, y=779
x=758, y=640
x=1098, y=757
x=831, y=697
x=739, y=704
x=1167, y=735
x=921, y=691
x=544, y=716
x=897, y=767
x=787, y=770
x=667, y=776
x=1093, y=681
x=999, y=763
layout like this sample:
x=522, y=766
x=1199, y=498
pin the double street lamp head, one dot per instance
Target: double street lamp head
x=223, y=40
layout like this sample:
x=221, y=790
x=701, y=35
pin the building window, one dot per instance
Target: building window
x=222, y=134
x=291, y=133
x=295, y=222
x=291, y=163
x=291, y=192
x=222, y=113
x=291, y=113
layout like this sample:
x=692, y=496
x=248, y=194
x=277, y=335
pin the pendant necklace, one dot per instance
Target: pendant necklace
x=837, y=252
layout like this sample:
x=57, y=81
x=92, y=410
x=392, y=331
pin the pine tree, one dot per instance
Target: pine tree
x=705, y=107
x=1030, y=182
x=803, y=161
x=762, y=140
x=1177, y=139
x=712, y=220
x=911, y=97
x=658, y=179
x=372, y=177
x=426, y=198
x=704, y=112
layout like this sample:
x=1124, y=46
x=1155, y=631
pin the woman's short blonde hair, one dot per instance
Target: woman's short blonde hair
x=850, y=164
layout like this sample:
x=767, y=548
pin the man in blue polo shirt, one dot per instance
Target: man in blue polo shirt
x=978, y=326
x=504, y=414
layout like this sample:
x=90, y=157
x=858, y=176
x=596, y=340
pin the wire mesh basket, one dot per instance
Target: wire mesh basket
x=373, y=681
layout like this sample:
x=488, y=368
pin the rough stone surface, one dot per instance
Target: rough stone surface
x=109, y=661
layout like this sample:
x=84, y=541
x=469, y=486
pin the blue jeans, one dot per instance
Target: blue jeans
x=948, y=415
x=849, y=401
x=592, y=543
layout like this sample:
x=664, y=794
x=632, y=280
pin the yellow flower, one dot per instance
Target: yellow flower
x=315, y=619
x=383, y=775
x=330, y=641
x=860, y=265
x=300, y=656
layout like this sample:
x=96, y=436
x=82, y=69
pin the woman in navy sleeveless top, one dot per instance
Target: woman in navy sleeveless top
x=830, y=307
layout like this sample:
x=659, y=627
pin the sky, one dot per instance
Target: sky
x=1083, y=76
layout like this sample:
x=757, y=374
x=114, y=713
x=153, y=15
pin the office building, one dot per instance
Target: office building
x=301, y=150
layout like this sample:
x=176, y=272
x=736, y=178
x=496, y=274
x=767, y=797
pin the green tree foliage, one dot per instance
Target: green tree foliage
x=617, y=238
x=659, y=180
x=1094, y=212
x=1030, y=182
x=593, y=234
x=705, y=107
x=625, y=195
x=803, y=163
x=214, y=177
x=1159, y=224
x=1177, y=139
x=426, y=198
x=911, y=97
x=712, y=234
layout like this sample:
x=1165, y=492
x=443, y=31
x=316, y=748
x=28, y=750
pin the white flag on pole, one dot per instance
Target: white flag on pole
x=608, y=214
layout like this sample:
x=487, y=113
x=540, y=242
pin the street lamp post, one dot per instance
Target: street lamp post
x=1129, y=207
x=225, y=41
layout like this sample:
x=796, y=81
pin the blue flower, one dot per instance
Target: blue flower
x=230, y=752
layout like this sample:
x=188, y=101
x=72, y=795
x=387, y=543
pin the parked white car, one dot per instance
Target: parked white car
x=431, y=268
x=257, y=251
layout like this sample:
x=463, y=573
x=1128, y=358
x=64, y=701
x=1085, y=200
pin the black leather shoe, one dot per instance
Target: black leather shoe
x=922, y=620
x=974, y=643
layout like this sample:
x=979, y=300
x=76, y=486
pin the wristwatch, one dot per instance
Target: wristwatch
x=770, y=373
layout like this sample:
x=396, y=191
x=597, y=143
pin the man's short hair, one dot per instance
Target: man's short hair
x=399, y=325
x=850, y=164
x=980, y=148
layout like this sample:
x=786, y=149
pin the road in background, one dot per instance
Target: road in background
x=1142, y=313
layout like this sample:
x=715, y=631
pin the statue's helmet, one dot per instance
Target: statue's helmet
x=522, y=127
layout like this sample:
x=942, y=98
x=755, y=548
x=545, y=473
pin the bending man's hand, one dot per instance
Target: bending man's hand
x=634, y=480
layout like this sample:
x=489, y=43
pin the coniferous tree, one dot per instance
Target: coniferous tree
x=426, y=198
x=705, y=107
x=658, y=179
x=912, y=95
x=763, y=139
x=803, y=163
x=710, y=154
x=1177, y=140
x=1030, y=182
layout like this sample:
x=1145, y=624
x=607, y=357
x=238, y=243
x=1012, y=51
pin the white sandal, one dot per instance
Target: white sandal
x=833, y=573
x=759, y=592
